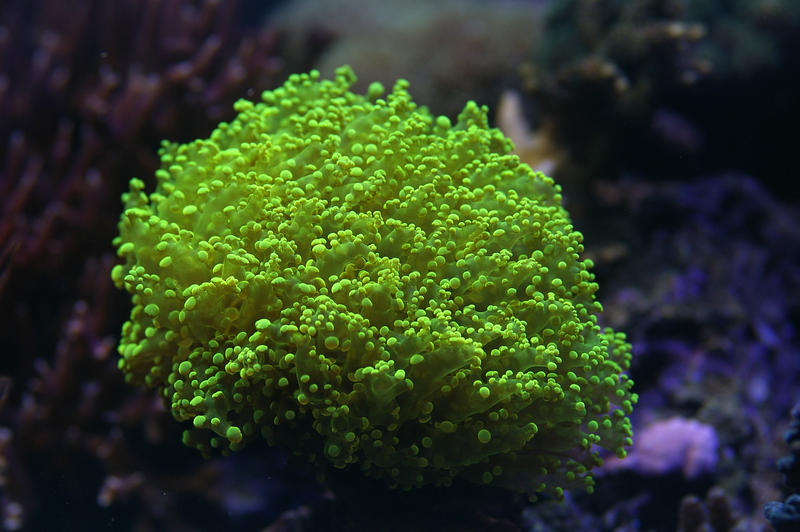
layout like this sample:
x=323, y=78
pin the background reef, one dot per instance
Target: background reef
x=671, y=125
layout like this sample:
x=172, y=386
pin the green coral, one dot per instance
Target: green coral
x=363, y=283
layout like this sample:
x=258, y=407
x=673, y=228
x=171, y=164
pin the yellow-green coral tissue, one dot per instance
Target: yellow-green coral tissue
x=368, y=285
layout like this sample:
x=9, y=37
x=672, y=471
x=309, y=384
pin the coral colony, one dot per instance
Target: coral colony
x=366, y=284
